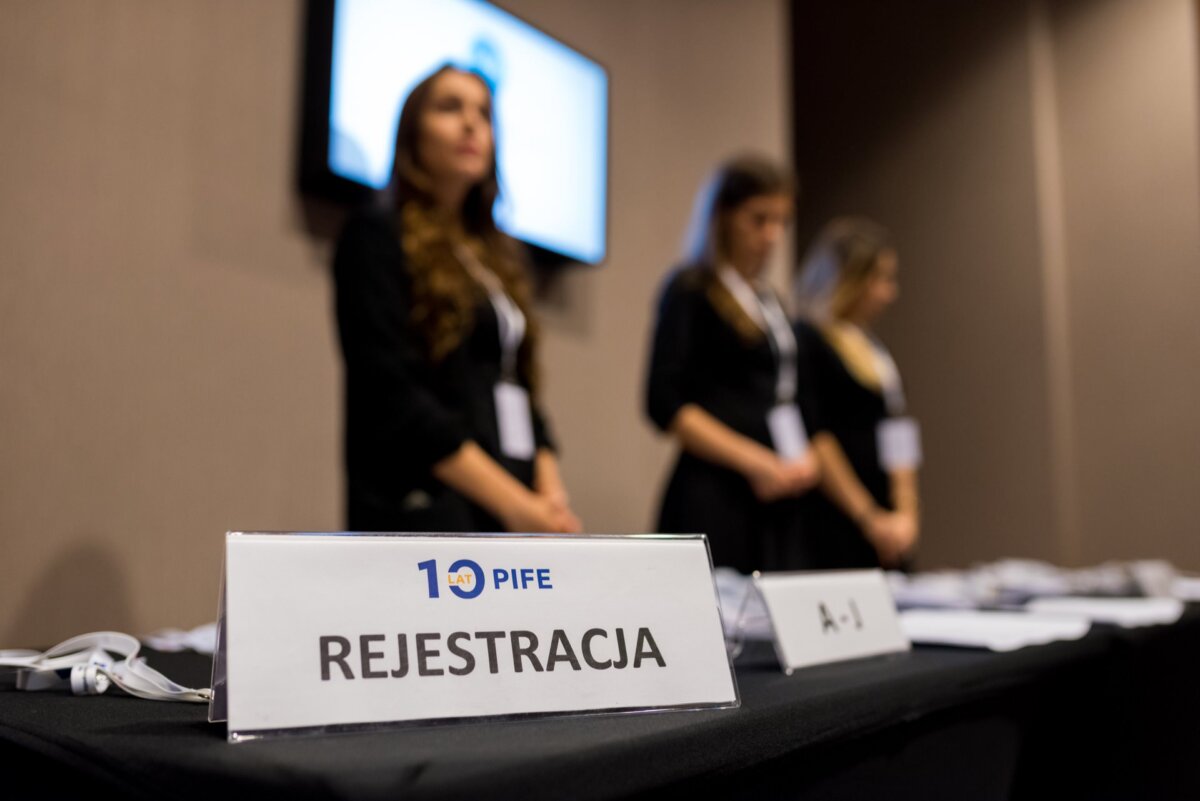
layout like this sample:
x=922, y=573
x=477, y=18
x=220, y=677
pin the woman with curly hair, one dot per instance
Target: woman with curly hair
x=443, y=431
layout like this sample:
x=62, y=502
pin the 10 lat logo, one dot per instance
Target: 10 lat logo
x=466, y=578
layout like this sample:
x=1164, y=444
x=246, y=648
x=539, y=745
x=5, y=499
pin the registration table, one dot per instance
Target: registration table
x=1114, y=715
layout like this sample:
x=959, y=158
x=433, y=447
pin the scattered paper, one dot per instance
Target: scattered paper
x=996, y=631
x=1154, y=577
x=1009, y=582
x=202, y=639
x=944, y=589
x=1186, y=588
x=1125, y=612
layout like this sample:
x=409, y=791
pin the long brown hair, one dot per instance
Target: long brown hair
x=444, y=294
x=707, y=244
x=737, y=180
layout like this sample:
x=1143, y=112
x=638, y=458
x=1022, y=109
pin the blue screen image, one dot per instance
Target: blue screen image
x=550, y=105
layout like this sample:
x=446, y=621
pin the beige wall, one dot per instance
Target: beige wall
x=168, y=366
x=1127, y=101
x=168, y=369
x=1037, y=162
x=930, y=133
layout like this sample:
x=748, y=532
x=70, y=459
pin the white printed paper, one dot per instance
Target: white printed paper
x=995, y=631
x=1125, y=612
x=1186, y=588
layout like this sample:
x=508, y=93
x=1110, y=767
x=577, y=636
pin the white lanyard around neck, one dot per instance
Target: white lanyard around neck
x=889, y=377
x=763, y=308
x=510, y=320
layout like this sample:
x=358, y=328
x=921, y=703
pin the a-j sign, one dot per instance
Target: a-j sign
x=332, y=631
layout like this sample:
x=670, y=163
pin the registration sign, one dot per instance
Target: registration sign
x=326, y=632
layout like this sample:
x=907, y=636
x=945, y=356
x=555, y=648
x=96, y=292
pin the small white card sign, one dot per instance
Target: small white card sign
x=329, y=632
x=830, y=616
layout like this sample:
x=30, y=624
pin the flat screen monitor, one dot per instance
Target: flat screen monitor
x=550, y=106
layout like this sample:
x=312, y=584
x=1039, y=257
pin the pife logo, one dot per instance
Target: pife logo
x=466, y=579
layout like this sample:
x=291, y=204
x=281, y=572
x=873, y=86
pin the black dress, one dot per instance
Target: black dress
x=699, y=356
x=404, y=413
x=851, y=412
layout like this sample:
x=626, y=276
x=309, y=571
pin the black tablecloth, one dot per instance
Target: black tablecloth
x=1113, y=715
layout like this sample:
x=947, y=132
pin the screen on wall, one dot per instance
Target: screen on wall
x=550, y=105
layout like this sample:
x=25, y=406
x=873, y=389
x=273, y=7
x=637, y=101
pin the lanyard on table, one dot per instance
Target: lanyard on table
x=85, y=663
x=510, y=320
x=763, y=308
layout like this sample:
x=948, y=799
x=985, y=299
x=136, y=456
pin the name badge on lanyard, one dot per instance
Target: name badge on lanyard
x=898, y=437
x=514, y=417
x=787, y=431
x=784, y=422
x=514, y=420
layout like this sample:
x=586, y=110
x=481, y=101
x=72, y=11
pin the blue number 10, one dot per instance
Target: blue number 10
x=430, y=567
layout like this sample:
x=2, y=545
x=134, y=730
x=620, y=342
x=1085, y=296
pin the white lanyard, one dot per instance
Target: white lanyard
x=889, y=379
x=84, y=661
x=510, y=320
x=763, y=308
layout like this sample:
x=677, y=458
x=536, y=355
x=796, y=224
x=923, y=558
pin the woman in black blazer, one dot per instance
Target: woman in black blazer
x=442, y=428
x=870, y=513
x=729, y=383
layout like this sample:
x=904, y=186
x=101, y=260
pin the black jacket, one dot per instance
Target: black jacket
x=403, y=413
x=699, y=356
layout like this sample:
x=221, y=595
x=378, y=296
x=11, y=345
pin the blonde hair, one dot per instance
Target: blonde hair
x=838, y=266
x=831, y=281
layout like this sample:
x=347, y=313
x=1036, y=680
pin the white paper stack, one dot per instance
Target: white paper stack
x=1186, y=588
x=944, y=589
x=1125, y=612
x=996, y=631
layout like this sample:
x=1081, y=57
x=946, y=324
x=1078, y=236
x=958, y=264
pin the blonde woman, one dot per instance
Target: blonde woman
x=872, y=515
x=443, y=431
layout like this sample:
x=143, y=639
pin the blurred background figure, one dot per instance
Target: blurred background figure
x=727, y=381
x=434, y=319
x=870, y=513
